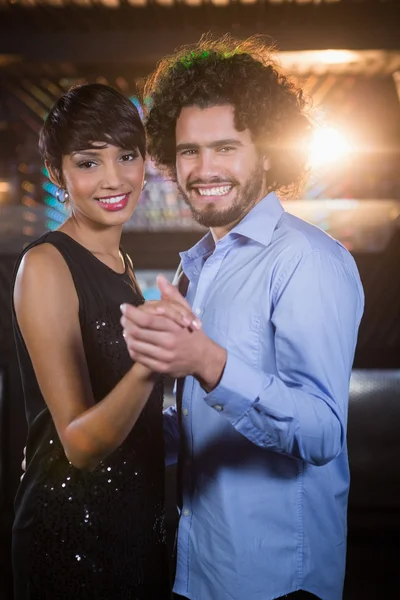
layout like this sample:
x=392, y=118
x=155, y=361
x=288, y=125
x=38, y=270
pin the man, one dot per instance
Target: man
x=262, y=411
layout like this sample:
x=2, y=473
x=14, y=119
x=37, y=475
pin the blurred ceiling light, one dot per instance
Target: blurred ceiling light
x=337, y=57
x=4, y=187
x=328, y=145
x=340, y=61
x=111, y=3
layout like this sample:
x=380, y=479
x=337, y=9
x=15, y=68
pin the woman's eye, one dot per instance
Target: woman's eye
x=129, y=157
x=86, y=164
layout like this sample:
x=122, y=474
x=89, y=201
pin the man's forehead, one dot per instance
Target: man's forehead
x=206, y=125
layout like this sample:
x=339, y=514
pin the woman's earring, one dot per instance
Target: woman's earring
x=144, y=184
x=65, y=196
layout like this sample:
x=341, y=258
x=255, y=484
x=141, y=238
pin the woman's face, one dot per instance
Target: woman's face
x=104, y=183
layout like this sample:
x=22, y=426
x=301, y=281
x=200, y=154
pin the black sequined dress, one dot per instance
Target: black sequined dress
x=92, y=535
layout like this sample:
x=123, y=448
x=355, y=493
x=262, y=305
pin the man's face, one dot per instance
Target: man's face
x=219, y=171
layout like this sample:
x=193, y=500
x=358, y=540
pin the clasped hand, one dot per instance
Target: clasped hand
x=166, y=337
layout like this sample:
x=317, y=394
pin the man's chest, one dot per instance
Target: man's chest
x=234, y=305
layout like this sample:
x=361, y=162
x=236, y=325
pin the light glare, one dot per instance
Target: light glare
x=328, y=145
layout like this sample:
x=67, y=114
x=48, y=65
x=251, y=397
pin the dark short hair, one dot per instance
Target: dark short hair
x=245, y=75
x=90, y=113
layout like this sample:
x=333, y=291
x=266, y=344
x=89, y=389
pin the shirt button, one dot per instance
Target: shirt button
x=185, y=412
x=186, y=512
x=197, y=311
x=218, y=407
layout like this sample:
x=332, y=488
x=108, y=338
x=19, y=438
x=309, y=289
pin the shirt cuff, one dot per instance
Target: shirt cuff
x=238, y=390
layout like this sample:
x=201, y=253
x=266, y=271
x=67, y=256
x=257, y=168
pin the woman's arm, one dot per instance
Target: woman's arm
x=46, y=306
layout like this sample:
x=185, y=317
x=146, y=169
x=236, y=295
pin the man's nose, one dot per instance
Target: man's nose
x=206, y=166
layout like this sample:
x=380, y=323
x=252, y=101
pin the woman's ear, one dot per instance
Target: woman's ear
x=54, y=175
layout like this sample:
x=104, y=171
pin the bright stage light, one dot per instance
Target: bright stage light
x=327, y=146
x=5, y=188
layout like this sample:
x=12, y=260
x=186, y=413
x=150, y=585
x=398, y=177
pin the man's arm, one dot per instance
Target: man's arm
x=302, y=410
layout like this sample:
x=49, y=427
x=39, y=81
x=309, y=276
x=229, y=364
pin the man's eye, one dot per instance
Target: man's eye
x=226, y=148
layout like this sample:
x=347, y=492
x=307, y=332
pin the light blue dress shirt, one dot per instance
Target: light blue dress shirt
x=265, y=472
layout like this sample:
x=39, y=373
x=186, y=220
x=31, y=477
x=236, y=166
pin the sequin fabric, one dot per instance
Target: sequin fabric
x=95, y=535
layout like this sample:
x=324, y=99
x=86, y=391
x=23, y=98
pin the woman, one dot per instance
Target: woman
x=90, y=509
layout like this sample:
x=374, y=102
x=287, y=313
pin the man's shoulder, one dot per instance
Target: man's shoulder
x=304, y=246
x=304, y=238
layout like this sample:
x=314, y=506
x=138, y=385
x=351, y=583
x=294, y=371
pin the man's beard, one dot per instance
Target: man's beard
x=247, y=196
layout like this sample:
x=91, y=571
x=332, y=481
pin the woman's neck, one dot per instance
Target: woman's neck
x=97, y=238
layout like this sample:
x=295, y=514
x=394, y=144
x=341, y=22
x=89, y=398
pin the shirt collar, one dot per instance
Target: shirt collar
x=193, y=259
x=258, y=225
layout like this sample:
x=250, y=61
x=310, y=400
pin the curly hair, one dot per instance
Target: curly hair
x=245, y=75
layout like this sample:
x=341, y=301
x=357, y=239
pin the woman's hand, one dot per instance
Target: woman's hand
x=179, y=313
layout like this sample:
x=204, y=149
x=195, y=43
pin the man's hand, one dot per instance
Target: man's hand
x=166, y=337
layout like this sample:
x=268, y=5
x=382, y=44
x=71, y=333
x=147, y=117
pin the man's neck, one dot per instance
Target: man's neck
x=219, y=232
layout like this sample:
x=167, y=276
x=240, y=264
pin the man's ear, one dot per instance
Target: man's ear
x=266, y=163
x=54, y=175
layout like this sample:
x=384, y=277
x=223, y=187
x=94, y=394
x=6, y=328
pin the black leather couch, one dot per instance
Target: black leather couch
x=374, y=502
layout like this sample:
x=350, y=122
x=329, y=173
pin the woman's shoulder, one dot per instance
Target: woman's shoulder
x=43, y=271
x=41, y=257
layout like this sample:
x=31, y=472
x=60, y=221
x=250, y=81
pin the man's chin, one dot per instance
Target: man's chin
x=214, y=218
x=211, y=213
